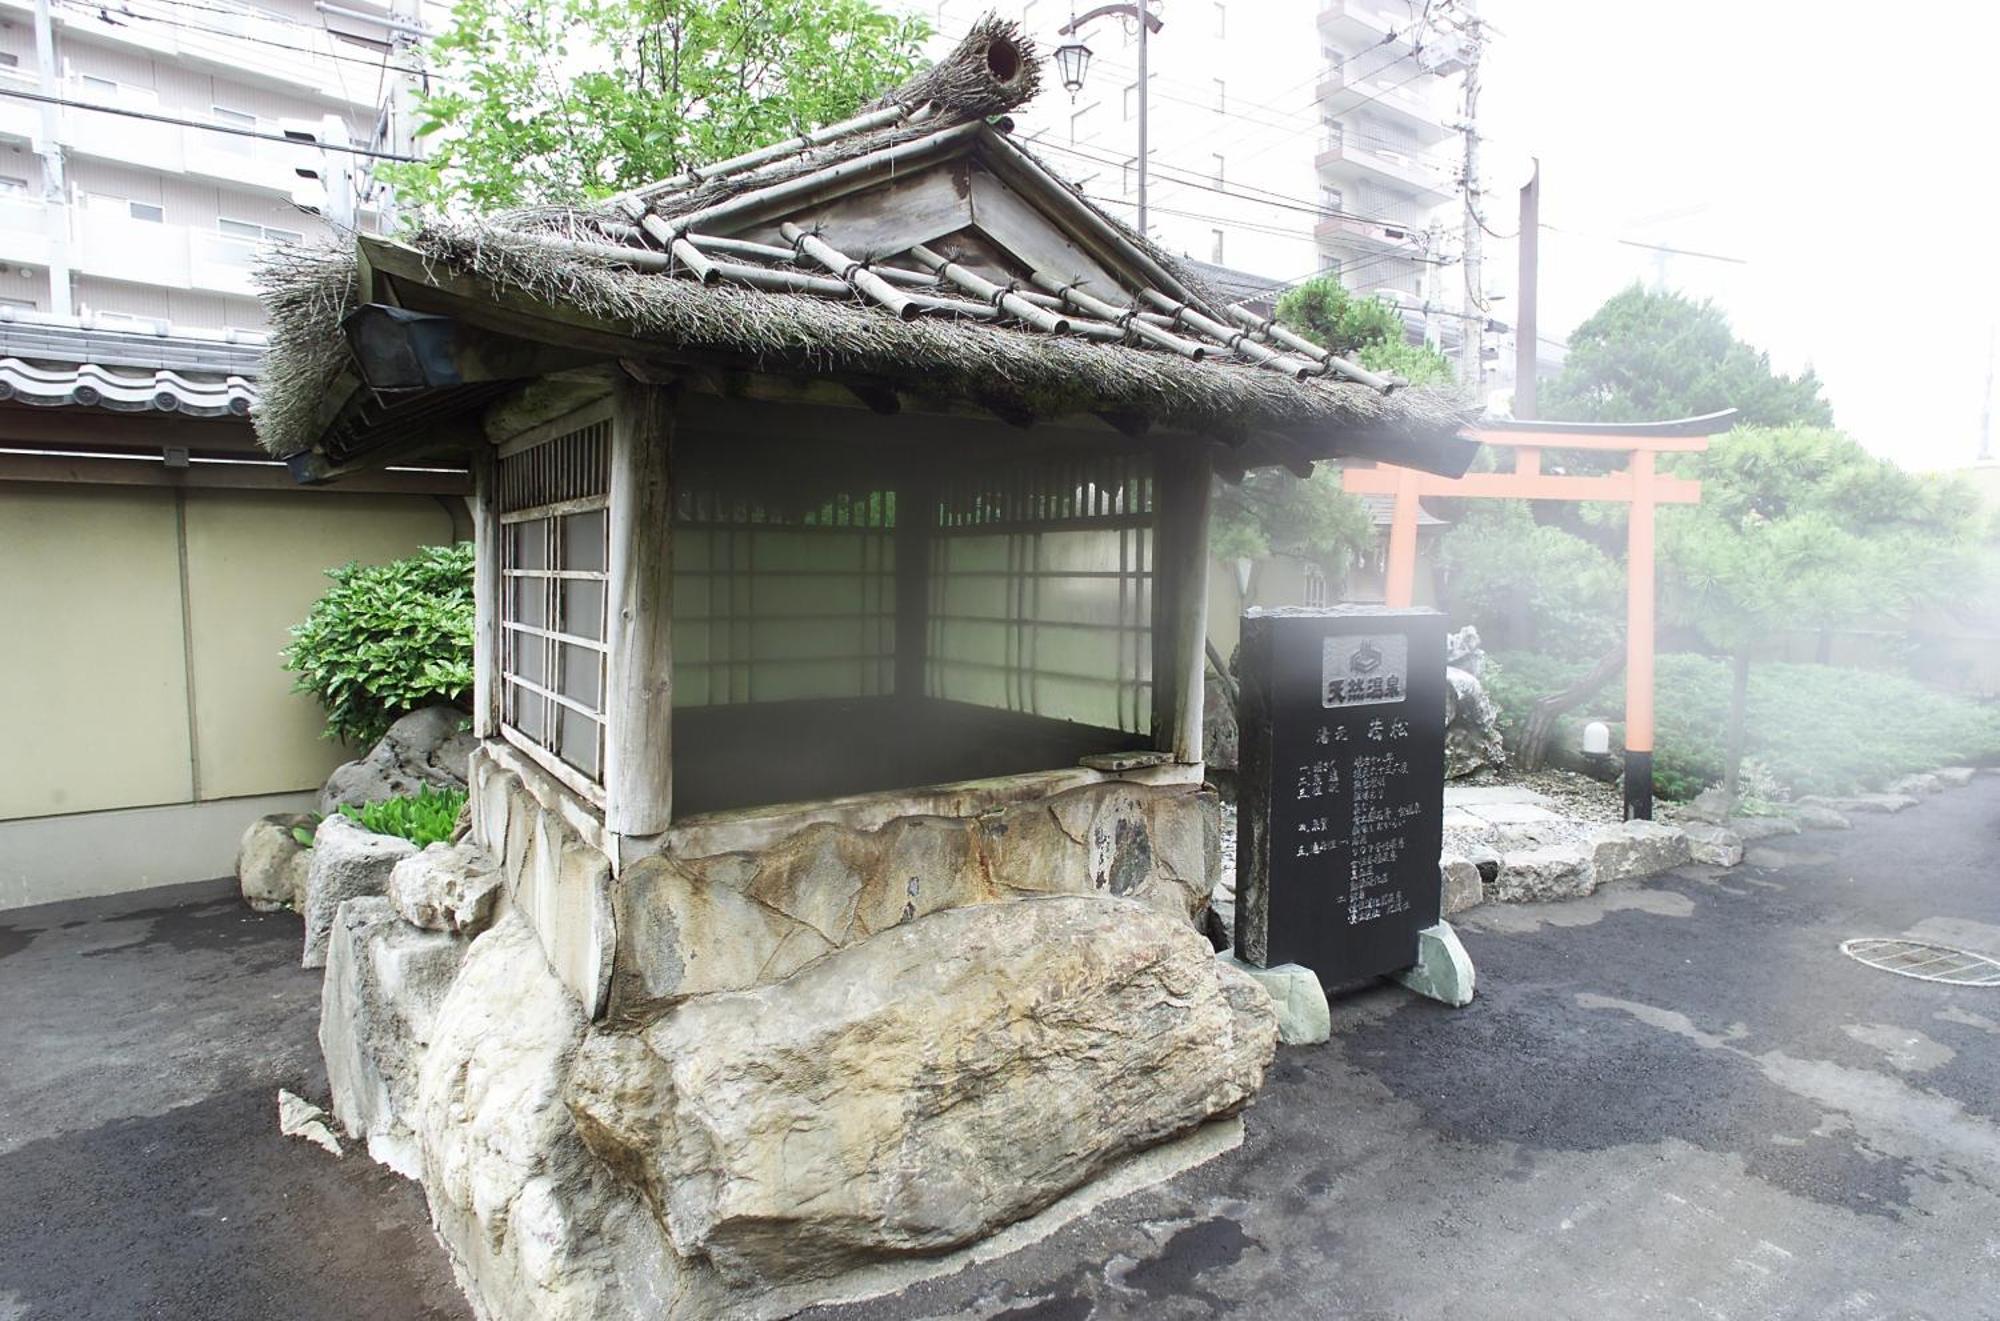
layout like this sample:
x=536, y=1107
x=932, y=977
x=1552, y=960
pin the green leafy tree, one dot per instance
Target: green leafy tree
x=387, y=639
x=1648, y=356
x=1801, y=527
x=1275, y=511
x=557, y=101
x=1529, y=585
x=1366, y=330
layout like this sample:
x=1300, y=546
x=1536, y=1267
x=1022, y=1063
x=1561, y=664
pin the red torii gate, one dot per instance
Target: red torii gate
x=1639, y=486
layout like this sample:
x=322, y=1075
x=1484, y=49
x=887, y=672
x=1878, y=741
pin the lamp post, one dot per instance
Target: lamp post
x=1073, y=60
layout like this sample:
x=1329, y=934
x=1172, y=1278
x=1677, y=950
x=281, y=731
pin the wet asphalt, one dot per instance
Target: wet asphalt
x=1674, y=1098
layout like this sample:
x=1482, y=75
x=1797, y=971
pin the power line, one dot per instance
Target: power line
x=196, y=123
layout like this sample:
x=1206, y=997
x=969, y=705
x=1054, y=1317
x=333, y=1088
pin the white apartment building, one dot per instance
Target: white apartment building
x=126, y=222
x=1387, y=160
x=1231, y=128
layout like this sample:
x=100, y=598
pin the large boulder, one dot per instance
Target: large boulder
x=348, y=861
x=922, y=1088
x=384, y=982
x=732, y=921
x=535, y=1226
x=271, y=864
x=429, y=746
x=447, y=887
x=1635, y=849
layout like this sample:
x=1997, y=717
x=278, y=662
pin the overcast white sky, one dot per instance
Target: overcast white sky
x=1843, y=150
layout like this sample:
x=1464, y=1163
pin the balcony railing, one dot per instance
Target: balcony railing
x=247, y=41
x=231, y=158
x=155, y=253
x=1338, y=148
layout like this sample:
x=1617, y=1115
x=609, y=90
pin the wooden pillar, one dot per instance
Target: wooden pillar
x=1639, y=585
x=1181, y=478
x=638, y=780
x=916, y=520
x=1399, y=588
x=486, y=583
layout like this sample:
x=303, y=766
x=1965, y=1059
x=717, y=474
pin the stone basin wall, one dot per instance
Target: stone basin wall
x=732, y=1084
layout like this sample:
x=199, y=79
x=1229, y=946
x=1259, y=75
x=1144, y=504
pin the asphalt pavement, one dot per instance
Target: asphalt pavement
x=1675, y=1098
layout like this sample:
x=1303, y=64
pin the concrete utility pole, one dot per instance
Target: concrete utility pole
x=1525, y=329
x=1144, y=96
x=54, y=193
x=1472, y=345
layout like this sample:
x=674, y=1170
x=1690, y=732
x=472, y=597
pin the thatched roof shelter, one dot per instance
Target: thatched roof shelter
x=916, y=251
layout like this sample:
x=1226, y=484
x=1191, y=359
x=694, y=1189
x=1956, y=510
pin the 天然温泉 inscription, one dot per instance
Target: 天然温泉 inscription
x=1342, y=788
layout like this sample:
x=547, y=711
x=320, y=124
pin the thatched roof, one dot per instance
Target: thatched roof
x=1065, y=312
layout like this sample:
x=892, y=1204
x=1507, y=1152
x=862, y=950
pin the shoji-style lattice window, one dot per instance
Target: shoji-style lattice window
x=782, y=595
x=555, y=557
x=1041, y=591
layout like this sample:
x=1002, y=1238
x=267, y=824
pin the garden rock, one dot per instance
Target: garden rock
x=1750, y=829
x=1558, y=871
x=1304, y=1016
x=1814, y=817
x=271, y=864
x=1716, y=846
x=923, y=1088
x=430, y=746
x=1219, y=735
x=348, y=861
x=1954, y=777
x=1632, y=850
x=1711, y=804
x=1864, y=803
x=1463, y=886
x=1914, y=786
x=447, y=887
x=1472, y=725
x=384, y=982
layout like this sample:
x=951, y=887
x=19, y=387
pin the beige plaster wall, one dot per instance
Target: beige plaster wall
x=92, y=669
x=95, y=658
x=256, y=563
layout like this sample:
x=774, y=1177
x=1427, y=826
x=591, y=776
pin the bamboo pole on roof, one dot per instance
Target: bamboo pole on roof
x=1122, y=317
x=999, y=296
x=1300, y=344
x=804, y=187
x=1237, y=341
x=850, y=271
x=772, y=252
x=750, y=160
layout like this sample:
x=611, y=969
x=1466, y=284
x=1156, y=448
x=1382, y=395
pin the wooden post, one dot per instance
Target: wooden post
x=638, y=781
x=1399, y=587
x=487, y=553
x=1639, y=642
x=1181, y=480
x=916, y=519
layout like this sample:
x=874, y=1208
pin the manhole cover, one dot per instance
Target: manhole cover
x=1925, y=962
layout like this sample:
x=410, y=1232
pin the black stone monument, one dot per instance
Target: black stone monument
x=1340, y=820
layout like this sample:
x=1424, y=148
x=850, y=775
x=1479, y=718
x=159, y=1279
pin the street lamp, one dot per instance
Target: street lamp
x=1073, y=59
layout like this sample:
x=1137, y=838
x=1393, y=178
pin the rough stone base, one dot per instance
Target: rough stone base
x=1443, y=970
x=1304, y=1018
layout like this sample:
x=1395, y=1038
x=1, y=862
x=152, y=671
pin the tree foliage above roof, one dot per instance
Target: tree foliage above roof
x=558, y=101
x=1648, y=356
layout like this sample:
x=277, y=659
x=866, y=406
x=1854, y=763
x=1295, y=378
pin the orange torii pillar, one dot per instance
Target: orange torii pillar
x=1638, y=486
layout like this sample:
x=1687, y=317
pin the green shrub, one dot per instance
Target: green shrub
x=1811, y=728
x=425, y=817
x=387, y=639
